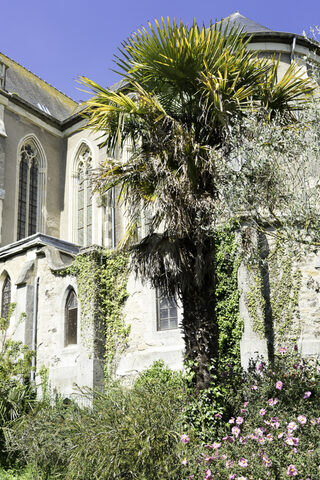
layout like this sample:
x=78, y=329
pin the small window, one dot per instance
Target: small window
x=71, y=319
x=6, y=297
x=167, y=312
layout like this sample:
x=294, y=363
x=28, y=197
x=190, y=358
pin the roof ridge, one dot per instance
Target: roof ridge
x=42, y=80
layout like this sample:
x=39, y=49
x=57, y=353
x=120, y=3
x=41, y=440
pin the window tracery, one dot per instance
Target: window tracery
x=83, y=230
x=30, y=188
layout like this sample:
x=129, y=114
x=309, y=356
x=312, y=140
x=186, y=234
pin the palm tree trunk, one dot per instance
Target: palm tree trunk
x=200, y=327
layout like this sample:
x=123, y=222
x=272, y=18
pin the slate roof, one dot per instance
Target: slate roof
x=40, y=94
x=248, y=25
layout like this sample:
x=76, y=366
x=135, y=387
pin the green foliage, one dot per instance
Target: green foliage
x=16, y=393
x=227, y=295
x=27, y=473
x=159, y=376
x=113, y=279
x=276, y=426
x=203, y=410
x=102, y=278
x=126, y=434
x=285, y=281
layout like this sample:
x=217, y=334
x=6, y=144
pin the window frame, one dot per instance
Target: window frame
x=82, y=166
x=30, y=217
x=67, y=320
x=6, y=281
x=159, y=297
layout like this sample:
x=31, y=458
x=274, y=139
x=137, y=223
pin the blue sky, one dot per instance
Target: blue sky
x=62, y=39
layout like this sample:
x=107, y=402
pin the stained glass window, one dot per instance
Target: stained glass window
x=6, y=297
x=71, y=319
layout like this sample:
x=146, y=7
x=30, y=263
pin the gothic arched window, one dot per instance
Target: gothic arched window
x=71, y=319
x=6, y=297
x=31, y=181
x=83, y=227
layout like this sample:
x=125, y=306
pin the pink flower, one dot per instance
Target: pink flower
x=208, y=474
x=262, y=412
x=267, y=462
x=254, y=387
x=231, y=420
x=292, y=426
x=216, y=445
x=218, y=415
x=259, y=431
x=281, y=435
x=306, y=394
x=245, y=404
x=235, y=431
x=302, y=419
x=243, y=462
x=229, y=463
x=239, y=420
x=272, y=401
x=282, y=350
x=293, y=441
x=269, y=437
x=242, y=478
x=292, y=471
x=279, y=385
x=184, y=438
x=232, y=476
x=259, y=367
x=184, y=461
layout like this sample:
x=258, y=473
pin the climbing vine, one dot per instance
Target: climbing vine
x=227, y=295
x=102, y=280
x=284, y=282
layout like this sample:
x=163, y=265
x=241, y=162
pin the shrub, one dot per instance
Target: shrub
x=276, y=433
x=16, y=393
x=127, y=434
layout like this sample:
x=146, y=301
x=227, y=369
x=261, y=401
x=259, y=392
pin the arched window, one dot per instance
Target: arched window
x=83, y=197
x=6, y=297
x=71, y=319
x=30, y=193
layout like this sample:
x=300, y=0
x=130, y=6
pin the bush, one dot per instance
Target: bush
x=16, y=393
x=276, y=433
x=127, y=434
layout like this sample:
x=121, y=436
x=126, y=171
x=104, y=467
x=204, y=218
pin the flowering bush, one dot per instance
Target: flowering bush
x=276, y=434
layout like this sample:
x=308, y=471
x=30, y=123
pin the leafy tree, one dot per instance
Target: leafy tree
x=185, y=91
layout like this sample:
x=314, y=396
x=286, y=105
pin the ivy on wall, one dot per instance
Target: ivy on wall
x=102, y=278
x=284, y=282
x=227, y=295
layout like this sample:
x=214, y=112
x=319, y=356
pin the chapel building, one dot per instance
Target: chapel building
x=49, y=214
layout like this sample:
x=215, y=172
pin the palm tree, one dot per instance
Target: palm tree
x=183, y=90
